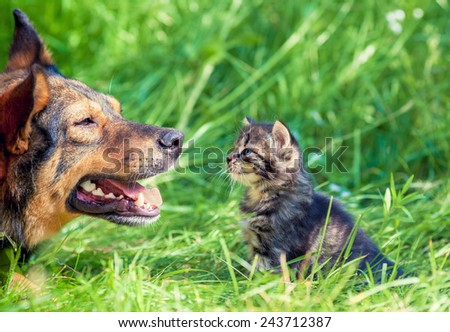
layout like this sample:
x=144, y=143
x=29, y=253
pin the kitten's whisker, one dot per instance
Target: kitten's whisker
x=227, y=177
x=233, y=183
x=230, y=185
x=219, y=176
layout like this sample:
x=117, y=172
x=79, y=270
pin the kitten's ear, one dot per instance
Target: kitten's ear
x=281, y=134
x=248, y=121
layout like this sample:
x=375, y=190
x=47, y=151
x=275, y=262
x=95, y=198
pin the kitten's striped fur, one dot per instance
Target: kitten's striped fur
x=287, y=216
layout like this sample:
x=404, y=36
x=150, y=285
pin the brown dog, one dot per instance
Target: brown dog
x=65, y=149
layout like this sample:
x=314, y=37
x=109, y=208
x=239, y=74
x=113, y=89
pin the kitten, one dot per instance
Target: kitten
x=287, y=215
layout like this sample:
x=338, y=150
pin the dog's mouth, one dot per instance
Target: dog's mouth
x=121, y=202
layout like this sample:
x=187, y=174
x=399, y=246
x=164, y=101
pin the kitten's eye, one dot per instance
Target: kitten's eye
x=85, y=122
x=246, y=152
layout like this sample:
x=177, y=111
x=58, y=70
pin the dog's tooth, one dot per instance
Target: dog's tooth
x=98, y=192
x=140, y=200
x=120, y=197
x=88, y=186
x=110, y=195
x=146, y=206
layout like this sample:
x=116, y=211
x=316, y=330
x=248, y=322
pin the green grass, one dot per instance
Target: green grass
x=327, y=69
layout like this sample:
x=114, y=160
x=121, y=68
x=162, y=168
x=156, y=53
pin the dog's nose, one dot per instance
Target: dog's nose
x=171, y=139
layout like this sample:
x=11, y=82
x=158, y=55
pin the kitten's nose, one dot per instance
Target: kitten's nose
x=231, y=156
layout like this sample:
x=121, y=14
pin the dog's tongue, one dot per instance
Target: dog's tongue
x=131, y=190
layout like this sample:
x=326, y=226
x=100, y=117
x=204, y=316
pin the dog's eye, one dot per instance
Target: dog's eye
x=246, y=152
x=85, y=122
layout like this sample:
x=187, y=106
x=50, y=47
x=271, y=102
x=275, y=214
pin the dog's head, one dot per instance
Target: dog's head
x=65, y=149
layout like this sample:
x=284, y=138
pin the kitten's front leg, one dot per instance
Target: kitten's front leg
x=257, y=234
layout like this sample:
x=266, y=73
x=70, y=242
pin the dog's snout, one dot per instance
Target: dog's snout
x=171, y=139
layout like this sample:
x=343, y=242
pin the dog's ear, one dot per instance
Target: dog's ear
x=17, y=108
x=27, y=47
x=3, y=167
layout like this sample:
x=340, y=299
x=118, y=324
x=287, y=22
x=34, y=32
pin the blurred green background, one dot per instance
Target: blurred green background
x=372, y=75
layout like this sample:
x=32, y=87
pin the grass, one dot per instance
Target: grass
x=327, y=69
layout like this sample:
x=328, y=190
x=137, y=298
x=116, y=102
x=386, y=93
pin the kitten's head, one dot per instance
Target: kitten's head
x=264, y=155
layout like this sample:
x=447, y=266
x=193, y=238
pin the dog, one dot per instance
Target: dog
x=66, y=150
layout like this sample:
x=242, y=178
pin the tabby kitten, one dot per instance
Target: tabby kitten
x=287, y=215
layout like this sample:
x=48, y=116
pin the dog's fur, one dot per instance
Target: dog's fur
x=54, y=132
